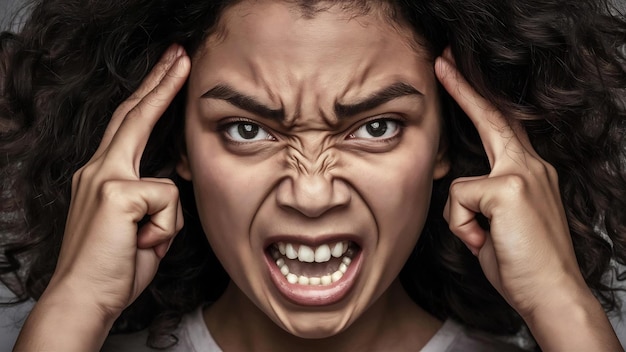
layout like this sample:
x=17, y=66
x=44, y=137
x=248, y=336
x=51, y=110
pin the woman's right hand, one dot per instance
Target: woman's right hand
x=107, y=259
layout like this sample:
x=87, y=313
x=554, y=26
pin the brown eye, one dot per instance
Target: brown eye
x=247, y=132
x=377, y=129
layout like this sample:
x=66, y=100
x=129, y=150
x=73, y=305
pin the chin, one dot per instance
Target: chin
x=316, y=325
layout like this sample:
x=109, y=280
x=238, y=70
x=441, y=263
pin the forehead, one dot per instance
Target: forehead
x=272, y=49
x=310, y=13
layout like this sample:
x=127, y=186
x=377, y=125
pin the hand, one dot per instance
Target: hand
x=106, y=259
x=104, y=254
x=528, y=245
x=527, y=253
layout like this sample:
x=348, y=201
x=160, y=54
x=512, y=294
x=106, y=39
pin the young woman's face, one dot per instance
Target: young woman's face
x=312, y=145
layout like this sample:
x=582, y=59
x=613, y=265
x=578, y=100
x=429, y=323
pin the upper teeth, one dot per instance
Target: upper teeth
x=307, y=254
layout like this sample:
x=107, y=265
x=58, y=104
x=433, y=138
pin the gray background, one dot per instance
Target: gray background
x=12, y=318
x=7, y=10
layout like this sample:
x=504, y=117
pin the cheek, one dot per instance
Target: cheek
x=228, y=192
x=397, y=190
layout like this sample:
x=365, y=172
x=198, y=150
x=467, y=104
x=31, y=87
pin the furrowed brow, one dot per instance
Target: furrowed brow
x=376, y=99
x=244, y=102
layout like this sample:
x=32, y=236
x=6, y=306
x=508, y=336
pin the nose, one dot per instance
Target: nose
x=313, y=195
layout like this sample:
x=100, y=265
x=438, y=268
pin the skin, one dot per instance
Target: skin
x=101, y=269
x=303, y=179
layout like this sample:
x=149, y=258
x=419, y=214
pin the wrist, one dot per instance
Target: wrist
x=574, y=321
x=76, y=296
x=65, y=319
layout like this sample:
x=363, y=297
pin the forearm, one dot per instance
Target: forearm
x=578, y=324
x=64, y=323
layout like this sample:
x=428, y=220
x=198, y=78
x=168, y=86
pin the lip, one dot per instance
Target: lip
x=309, y=295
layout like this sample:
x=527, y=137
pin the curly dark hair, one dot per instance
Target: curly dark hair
x=559, y=66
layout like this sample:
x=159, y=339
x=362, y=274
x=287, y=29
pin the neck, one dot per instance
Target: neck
x=393, y=322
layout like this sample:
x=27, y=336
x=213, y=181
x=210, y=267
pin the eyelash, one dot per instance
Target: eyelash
x=400, y=124
x=226, y=126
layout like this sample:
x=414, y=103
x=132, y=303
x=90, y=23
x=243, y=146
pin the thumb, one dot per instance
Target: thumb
x=463, y=213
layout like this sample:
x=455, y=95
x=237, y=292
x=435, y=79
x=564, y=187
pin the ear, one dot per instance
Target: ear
x=442, y=163
x=182, y=167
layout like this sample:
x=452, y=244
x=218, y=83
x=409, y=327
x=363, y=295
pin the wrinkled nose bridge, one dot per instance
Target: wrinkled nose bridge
x=312, y=194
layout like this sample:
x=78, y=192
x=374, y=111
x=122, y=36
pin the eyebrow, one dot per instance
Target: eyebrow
x=394, y=91
x=245, y=102
x=342, y=111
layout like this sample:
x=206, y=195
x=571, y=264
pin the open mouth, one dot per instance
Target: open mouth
x=321, y=265
x=314, y=275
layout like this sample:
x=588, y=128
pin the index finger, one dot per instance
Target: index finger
x=129, y=142
x=495, y=131
x=155, y=76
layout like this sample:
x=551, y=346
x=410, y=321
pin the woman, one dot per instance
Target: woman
x=304, y=141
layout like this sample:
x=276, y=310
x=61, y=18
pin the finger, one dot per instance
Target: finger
x=461, y=210
x=146, y=268
x=180, y=220
x=162, y=249
x=163, y=209
x=155, y=76
x=446, y=209
x=130, y=140
x=489, y=263
x=497, y=135
x=147, y=238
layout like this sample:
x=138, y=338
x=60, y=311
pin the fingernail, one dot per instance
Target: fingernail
x=173, y=52
x=180, y=51
x=442, y=61
x=447, y=54
x=443, y=67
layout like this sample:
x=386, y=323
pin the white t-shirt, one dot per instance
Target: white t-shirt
x=193, y=336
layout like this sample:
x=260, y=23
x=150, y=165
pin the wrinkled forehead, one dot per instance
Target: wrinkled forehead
x=299, y=62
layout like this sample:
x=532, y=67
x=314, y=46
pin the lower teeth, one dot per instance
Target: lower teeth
x=314, y=281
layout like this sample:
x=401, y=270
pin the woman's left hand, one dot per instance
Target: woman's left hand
x=527, y=253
